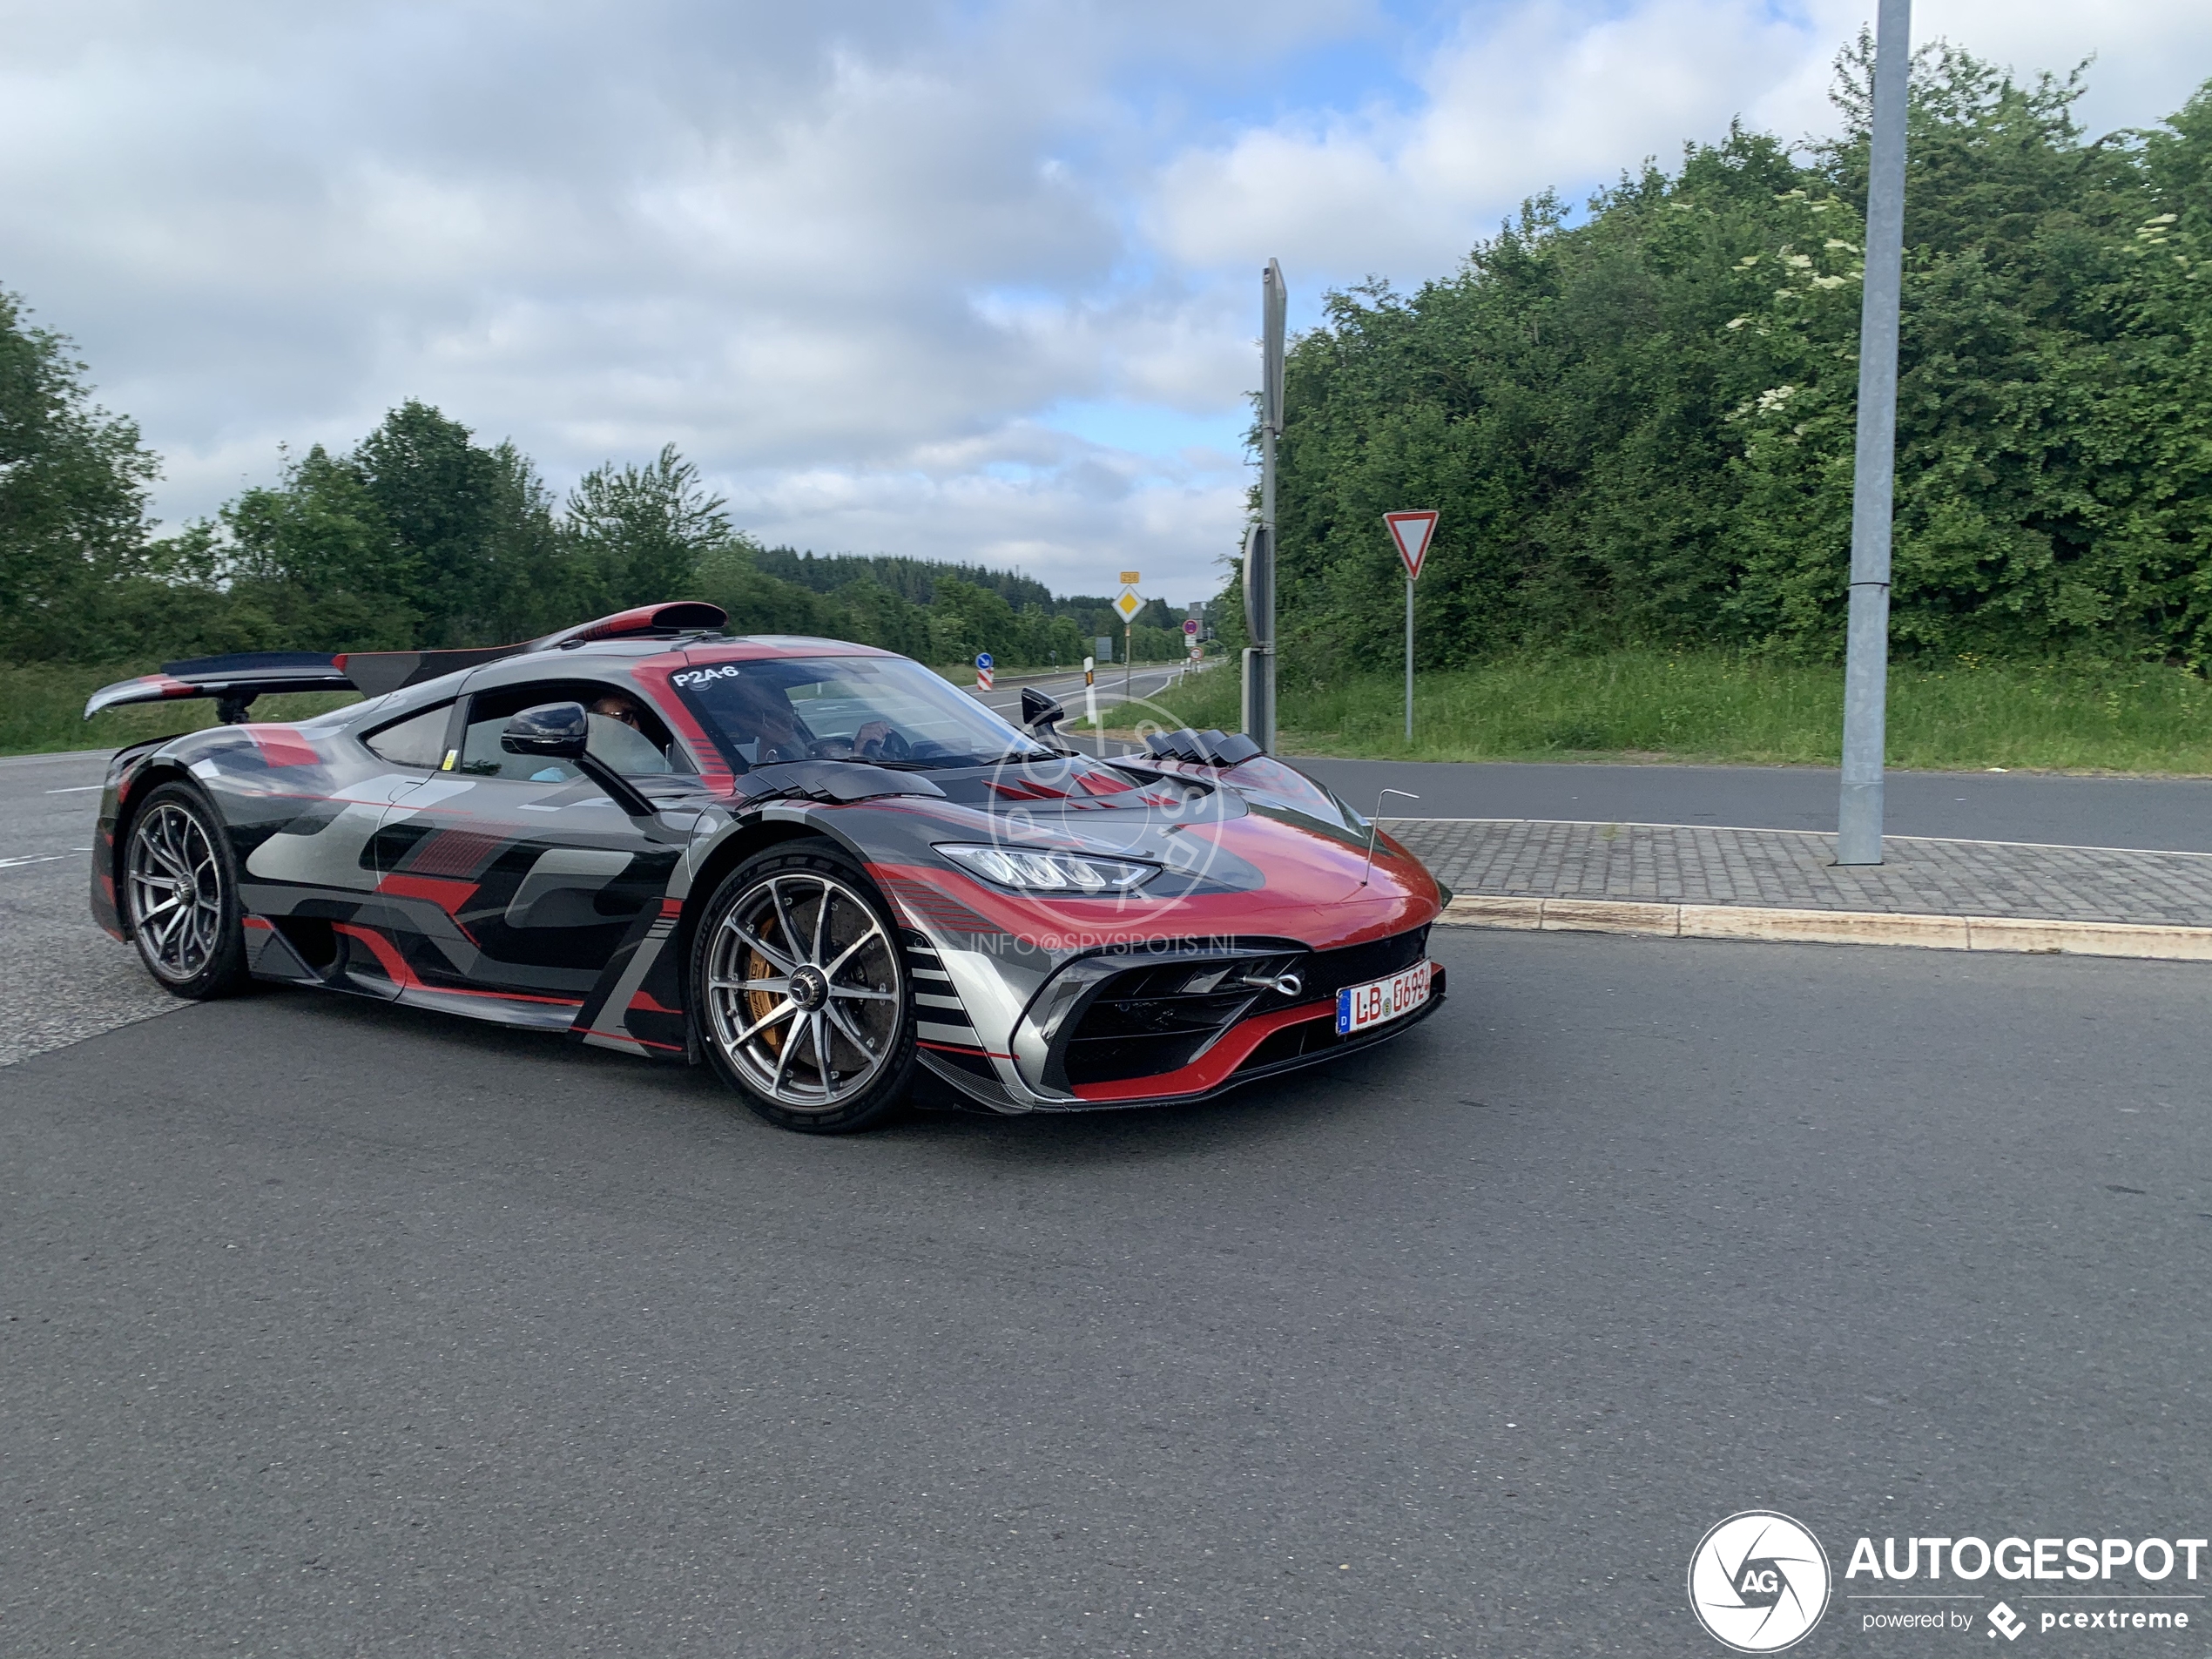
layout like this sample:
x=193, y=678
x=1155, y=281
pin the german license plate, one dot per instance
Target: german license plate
x=1381, y=1000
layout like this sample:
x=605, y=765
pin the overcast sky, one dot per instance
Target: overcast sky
x=973, y=281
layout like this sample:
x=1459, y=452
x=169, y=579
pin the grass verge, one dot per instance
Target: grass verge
x=1688, y=707
x=1631, y=705
x=42, y=709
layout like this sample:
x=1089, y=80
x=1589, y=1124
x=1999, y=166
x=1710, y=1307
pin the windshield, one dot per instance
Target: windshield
x=883, y=709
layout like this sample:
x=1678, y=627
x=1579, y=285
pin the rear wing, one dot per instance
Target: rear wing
x=236, y=680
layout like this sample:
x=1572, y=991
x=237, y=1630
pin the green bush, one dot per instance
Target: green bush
x=1639, y=428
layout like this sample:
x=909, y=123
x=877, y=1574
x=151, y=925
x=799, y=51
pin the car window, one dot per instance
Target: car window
x=846, y=708
x=638, y=745
x=419, y=741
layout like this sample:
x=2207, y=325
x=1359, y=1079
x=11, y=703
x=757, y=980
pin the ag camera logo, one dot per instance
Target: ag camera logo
x=1758, y=1581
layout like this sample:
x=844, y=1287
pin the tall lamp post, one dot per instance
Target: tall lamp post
x=1867, y=653
x=1259, y=540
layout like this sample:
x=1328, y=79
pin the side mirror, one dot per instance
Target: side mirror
x=560, y=731
x=552, y=730
x=1041, y=712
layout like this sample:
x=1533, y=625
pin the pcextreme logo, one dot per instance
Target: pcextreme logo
x=1758, y=1581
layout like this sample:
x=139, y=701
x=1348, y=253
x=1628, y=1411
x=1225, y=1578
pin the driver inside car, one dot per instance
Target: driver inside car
x=617, y=725
x=759, y=713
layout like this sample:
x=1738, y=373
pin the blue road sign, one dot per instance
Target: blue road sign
x=983, y=659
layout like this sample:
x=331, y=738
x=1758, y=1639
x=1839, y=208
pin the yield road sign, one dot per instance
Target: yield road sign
x=1411, y=533
x=1129, y=604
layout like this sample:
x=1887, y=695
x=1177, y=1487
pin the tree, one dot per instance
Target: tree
x=73, y=483
x=315, y=563
x=641, y=532
x=532, y=581
x=1639, y=428
x=966, y=620
x=438, y=493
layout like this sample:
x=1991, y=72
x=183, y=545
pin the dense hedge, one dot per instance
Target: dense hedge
x=1639, y=427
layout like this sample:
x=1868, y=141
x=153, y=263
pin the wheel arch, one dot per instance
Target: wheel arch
x=142, y=781
x=814, y=846
x=738, y=844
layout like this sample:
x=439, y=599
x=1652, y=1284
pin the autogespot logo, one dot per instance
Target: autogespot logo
x=1758, y=1581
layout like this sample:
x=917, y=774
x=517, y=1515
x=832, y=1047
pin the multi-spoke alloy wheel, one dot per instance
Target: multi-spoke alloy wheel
x=177, y=887
x=802, y=991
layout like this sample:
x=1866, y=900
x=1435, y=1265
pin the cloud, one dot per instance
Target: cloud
x=969, y=280
x=1521, y=96
x=1532, y=96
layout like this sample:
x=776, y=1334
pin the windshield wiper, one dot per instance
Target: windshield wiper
x=856, y=760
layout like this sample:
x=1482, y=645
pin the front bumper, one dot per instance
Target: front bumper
x=1259, y=1046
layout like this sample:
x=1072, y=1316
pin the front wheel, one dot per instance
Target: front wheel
x=801, y=987
x=180, y=891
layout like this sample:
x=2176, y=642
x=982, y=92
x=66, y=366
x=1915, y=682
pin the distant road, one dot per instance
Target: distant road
x=2169, y=814
x=1145, y=680
x=2173, y=814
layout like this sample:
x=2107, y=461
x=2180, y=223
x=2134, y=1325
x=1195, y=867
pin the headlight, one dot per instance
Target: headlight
x=1077, y=874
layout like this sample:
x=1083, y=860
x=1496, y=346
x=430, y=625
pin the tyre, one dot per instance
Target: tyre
x=180, y=895
x=799, y=986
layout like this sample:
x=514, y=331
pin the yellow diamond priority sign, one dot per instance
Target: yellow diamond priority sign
x=1129, y=604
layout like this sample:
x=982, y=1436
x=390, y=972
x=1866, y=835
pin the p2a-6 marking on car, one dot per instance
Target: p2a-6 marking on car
x=1361, y=1006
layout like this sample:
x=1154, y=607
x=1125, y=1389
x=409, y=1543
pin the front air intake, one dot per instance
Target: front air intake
x=1160, y=1017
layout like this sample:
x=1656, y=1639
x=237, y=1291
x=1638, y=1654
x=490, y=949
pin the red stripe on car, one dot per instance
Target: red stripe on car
x=281, y=745
x=449, y=895
x=1212, y=1067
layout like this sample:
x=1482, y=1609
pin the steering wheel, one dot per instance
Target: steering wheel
x=879, y=740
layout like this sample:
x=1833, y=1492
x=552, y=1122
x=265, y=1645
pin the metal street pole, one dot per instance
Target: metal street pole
x=1409, y=659
x=1259, y=543
x=1859, y=818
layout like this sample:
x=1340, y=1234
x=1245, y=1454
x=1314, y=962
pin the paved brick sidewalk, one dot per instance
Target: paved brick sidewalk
x=1702, y=865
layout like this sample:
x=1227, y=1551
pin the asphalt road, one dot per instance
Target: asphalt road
x=2169, y=814
x=331, y=1328
x=61, y=978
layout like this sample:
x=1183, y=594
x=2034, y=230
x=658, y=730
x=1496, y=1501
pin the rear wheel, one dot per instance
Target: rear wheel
x=180, y=891
x=801, y=992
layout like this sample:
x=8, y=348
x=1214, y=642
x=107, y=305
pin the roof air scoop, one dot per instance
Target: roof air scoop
x=680, y=616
